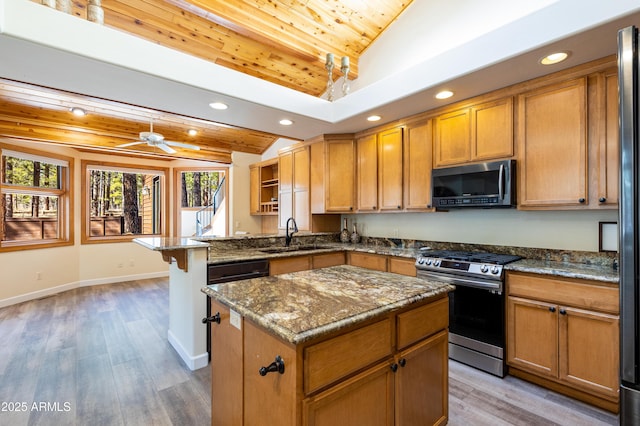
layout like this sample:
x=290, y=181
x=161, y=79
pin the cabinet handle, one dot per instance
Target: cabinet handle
x=402, y=362
x=213, y=318
x=275, y=366
x=602, y=199
x=350, y=208
x=394, y=367
x=563, y=312
x=552, y=308
x=399, y=207
x=428, y=206
x=374, y=207
x=581, y=200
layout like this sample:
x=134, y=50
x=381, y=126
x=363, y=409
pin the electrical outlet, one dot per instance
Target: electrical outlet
x=38, y=276
x=237, y=224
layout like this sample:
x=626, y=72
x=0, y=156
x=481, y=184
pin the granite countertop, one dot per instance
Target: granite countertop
x=566, y=269
x=169, y=243
x=303, y=305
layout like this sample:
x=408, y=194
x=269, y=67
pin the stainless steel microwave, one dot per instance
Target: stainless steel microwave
x=480, y=185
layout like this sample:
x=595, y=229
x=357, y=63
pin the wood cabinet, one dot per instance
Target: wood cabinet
x=390, y=157
x=286, y=265
x=263, y=197
x=552, y=137
x=480, y=132
x=367, y=173
x=294, y=187
x=418, y=160
x=377, y=262
x=355, y=376
x=565, y=332
x=333, y=174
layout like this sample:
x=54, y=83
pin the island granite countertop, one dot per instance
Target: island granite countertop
x=301, y=306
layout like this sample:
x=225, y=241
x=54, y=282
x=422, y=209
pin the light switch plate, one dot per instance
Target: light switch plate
x=234, y=319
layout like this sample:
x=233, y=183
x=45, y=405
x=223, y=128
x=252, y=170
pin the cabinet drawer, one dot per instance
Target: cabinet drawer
x=328, y=259
x=421, y=322
x=369, y=261
x=333, y=359
x=564, y=291
x=402, y=266
x=289, y=264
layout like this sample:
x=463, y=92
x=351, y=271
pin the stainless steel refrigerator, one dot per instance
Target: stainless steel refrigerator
x=629, y=225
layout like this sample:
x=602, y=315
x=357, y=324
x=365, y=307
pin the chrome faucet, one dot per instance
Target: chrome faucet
x=289, y=236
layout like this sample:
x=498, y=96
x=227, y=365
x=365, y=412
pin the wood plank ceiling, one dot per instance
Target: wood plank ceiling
x=281, y=41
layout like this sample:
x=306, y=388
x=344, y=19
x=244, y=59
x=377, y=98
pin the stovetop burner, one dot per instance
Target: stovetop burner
x=470, y=256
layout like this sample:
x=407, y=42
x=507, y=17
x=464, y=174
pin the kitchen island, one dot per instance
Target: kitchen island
x=337, y=345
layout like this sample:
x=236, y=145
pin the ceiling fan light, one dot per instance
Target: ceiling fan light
x=78, y=112
x=218, y=105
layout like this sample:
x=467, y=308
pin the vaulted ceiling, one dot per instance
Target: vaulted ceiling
x=166, y=60
x=281, y=41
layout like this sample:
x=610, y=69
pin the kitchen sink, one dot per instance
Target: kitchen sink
x=288, y=249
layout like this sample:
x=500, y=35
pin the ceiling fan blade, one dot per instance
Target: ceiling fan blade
x=130, y=144
x=166, y=148
x=183, y=145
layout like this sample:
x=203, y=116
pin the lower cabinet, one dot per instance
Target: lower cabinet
x=362, y=376
x=565, y=332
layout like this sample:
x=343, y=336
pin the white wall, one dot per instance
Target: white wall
x=561, y=230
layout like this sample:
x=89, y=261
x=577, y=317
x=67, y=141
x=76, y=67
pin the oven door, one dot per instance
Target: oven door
x=477, y=314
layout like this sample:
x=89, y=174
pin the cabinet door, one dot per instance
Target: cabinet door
x=492, y=130
x=418, y=160
x=270, y=399
x=285, y=199
x=532, y=336
x=589, y=350
x=376, y=262
x=553, y=145
x=609, y=145
x=366, y=399
x=452, y=140
x=367, y=173
x=226, y=370
x=340, y=176
x=421, y=368
x=301, y=201
x=289, y=264
x=254, y=190
x=390, y=169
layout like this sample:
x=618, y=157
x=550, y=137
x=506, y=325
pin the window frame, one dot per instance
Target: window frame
x=165, y=212
x=65, y=196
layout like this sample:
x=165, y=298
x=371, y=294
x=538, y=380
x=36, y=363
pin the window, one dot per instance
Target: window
x=122, y=202
x=201, y=207
x=36, y=199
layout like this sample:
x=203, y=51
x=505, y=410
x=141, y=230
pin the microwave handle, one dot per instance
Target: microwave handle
x=501, y=182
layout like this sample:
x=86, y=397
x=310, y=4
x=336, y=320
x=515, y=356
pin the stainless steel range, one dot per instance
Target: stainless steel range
x=476, y=307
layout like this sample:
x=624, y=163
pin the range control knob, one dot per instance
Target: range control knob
x=484, y=269
x=495, y=270
x=436, y=262
x=421, y=261
x=429, y=261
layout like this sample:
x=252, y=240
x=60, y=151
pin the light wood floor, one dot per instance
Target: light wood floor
x=99, y=356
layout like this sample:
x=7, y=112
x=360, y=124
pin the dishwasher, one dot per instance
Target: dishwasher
x=234, y=271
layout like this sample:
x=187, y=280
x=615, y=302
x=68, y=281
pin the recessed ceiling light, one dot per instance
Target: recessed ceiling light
x=444, y=94
x=554, y=58
x=286, y=122
x=373, y=118
x=192, y=132
x=218, y=105
x=78, y=111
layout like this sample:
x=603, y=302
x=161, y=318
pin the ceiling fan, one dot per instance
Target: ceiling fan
x=156, y=139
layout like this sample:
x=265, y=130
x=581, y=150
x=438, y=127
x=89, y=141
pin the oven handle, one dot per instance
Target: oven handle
x=461, y=281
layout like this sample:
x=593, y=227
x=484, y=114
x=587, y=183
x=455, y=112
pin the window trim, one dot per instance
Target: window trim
x=65, y=202
x=85, y=228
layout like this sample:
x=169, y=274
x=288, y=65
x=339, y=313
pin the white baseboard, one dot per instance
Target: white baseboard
x=193, y=362
x=70, y=286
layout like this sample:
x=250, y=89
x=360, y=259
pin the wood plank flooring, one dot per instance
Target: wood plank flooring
x=99, y=356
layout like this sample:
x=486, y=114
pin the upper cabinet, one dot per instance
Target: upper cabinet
x=552, y=137
x=390, y=149
x=263, y=198
x=418, y=154
x=367, y=173
x=333, y=175
x=294, y=187
x=480, y=132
